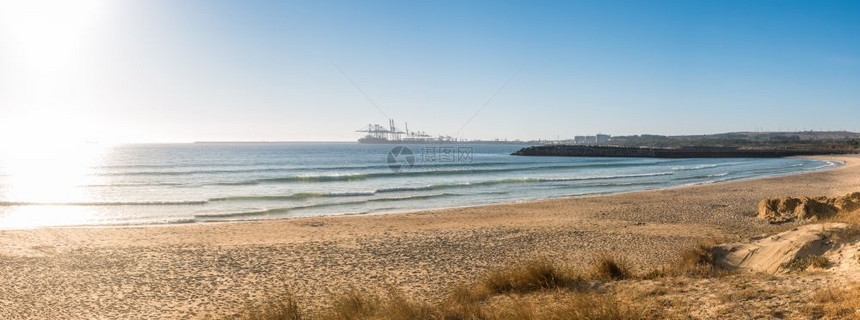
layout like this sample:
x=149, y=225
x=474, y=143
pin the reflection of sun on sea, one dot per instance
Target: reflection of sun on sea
x=42, y=116
x=34, y=171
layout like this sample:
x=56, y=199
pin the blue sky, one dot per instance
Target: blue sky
x=268, y=70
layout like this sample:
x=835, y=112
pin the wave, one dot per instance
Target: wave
x=528, y=180
x=474, y=167
x=278, y=169
x=698, y=167
x=440, y=186
x=281, y=165
x=704, y=176
x=295, y=196
x=133, y=184
x=192, y=172
x=317, y=205
x=307, y=195
x=636, y=175
x=373, y=175
x=137, y=223
x=407, y=189
x=616, y=184
x=105, y=203
x=828, y=164
x=244, y=213
x=769, y=172
x=705, y=166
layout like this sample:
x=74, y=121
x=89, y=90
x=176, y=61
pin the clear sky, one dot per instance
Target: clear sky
x=164, y=70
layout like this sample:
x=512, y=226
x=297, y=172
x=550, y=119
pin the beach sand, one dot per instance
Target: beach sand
x=217, y=269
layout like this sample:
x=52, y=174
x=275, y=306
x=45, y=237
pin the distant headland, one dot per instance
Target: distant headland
x=723, y=145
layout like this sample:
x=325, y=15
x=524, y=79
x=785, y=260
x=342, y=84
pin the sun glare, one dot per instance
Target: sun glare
x=27, y=135
x=47, y=39
x=41, y=178
x=43, y=50
x=46, y=22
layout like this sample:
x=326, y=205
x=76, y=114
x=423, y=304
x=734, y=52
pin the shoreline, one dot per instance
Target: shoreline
x=214, y=270
x=189, y=221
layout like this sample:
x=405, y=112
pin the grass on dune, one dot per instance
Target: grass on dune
x=287, y=308
x=698, y=261
x=490, y=297
x=852, y=218
x=605, y=267
x=835, y=303
x=534, y=275
x=355, y=305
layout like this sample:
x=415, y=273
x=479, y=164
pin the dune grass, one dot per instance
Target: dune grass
x=801, y=264
x=286, y=308
x=356, y=305
x=490, y=297
x=605, y=267
x=698, y=262
x=835, y=303
x=852, y=218
x=532, y=275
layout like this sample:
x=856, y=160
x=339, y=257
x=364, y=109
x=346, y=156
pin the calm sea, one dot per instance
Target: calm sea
x=185, y=183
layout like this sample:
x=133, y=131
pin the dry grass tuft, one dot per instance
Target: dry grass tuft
x=852, y=218
x=801, y=264
x=356, y=305
x=285, y=309
x=534, y=275
x=744, y=295
x=698, y=261
x=836, y=303
x=597, y=306
x=607, y=268
x=494, y=295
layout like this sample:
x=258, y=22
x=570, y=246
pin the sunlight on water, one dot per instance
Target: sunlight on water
x=48, y=215
x=49, y=177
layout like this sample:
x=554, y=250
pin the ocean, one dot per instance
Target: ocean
x=188, y=183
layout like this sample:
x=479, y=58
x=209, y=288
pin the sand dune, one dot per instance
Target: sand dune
x=776, y=253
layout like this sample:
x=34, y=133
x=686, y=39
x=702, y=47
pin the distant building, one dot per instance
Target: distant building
x=602, y=138
x=596, y=139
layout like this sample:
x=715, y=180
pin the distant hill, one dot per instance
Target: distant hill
x=741, y=139
x=795, y=136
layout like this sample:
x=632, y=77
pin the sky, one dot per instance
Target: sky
x=180, y=71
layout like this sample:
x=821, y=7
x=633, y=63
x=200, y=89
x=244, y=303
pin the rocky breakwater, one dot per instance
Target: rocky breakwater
x=675, y=152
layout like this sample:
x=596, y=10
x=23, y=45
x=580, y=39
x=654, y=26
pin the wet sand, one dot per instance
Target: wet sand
x=216, y=269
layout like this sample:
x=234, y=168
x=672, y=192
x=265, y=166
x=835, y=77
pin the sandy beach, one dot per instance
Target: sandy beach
x=217, y=269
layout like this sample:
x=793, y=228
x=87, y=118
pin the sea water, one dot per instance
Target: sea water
x=203, y=182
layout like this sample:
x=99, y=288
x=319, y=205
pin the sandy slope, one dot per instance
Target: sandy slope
x=207, y=270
